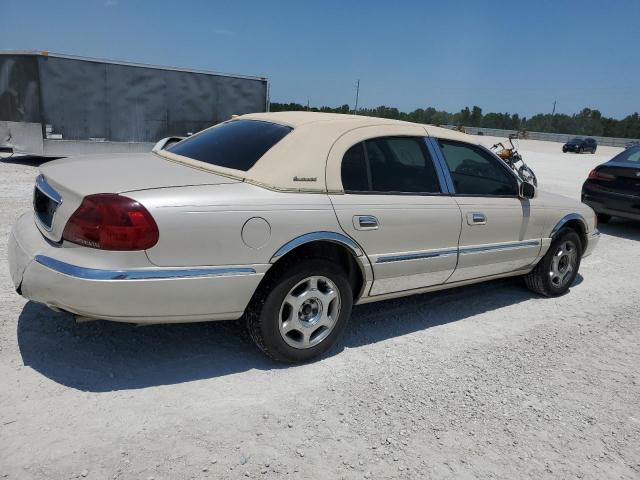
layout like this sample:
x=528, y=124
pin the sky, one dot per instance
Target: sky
x=506, y=56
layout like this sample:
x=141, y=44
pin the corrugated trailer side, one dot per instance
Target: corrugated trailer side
x=100, y=105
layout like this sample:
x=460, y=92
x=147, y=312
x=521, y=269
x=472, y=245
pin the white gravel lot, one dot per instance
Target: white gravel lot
x=487, y=381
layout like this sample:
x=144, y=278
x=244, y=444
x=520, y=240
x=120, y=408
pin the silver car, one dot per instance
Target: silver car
x=287, y=220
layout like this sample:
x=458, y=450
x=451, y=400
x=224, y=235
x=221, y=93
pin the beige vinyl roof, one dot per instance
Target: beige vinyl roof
x=308, y=159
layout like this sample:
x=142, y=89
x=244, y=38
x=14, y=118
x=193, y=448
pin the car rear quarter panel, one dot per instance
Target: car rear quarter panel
x=203, y=225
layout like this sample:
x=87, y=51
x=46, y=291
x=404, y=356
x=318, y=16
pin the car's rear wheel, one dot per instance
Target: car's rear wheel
x=300, y=310
x=581, y=150
x=557, y=270
x=603, y=217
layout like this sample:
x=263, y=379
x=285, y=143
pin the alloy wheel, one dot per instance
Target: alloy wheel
x=563, y=264
x=309, y=312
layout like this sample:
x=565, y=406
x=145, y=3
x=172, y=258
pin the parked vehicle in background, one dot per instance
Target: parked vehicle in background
x=287, y=220
x=580, y=145
x=633, y=143
x=613, y=188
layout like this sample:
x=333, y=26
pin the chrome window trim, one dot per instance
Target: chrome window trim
x=495, y=247
x=445, y=185
x=441, y=165
x=417, y=255
x=333, y=237
x=141, y=274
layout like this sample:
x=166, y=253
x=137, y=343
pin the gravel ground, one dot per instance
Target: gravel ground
x=486, y=381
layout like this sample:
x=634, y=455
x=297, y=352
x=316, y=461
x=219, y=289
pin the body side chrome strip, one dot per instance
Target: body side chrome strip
x=99, y=274
x=417, y=255
x=499, y=246
x=314, y=237
x=454, y=251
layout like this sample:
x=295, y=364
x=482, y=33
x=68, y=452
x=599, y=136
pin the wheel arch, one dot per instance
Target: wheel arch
x=332, y=245
x=574, y=221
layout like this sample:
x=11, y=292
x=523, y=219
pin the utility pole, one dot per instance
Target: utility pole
x=355, y=109
x=554, y=108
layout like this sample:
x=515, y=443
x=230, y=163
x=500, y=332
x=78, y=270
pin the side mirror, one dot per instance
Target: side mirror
x=527, y=190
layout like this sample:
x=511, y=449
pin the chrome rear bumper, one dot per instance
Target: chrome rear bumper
x=147, y=294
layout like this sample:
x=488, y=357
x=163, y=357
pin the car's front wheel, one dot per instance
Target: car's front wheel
x=300, y=310
x=557, y=270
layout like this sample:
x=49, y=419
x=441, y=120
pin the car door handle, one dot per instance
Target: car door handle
x=476, y=218
x=365, y=222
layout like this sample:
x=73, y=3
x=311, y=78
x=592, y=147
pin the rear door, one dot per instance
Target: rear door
x=500, y=231
x=392, y=204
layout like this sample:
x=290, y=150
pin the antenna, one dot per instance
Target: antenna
x=355, y=109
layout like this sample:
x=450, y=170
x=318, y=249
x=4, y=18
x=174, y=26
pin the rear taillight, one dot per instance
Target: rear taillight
x=597, y=175
x=111, y=222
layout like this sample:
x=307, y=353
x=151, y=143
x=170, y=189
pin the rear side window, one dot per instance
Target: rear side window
x=355, y=175
x=390, y=165
x=238, y=144
x=476, y=172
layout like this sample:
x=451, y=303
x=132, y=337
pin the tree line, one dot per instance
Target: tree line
x=587, y=122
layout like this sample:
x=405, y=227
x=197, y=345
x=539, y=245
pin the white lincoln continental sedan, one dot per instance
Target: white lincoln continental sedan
x=287, y=220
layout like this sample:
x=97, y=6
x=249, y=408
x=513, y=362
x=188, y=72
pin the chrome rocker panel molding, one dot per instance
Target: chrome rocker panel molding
x=115, y=275
x=417, y=255
x=499, y=247
x=462, y=251
x=440, y=286
x=332, y=237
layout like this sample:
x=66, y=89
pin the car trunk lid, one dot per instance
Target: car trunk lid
x=64, y=183
x=626, y=178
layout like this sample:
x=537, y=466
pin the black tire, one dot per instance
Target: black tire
x=581, y=150
x=263, y=313
x=541, y=280
x=603, y=217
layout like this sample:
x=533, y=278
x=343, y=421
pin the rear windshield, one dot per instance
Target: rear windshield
x=630, y=155
x=238, y=144
x=575, y=140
